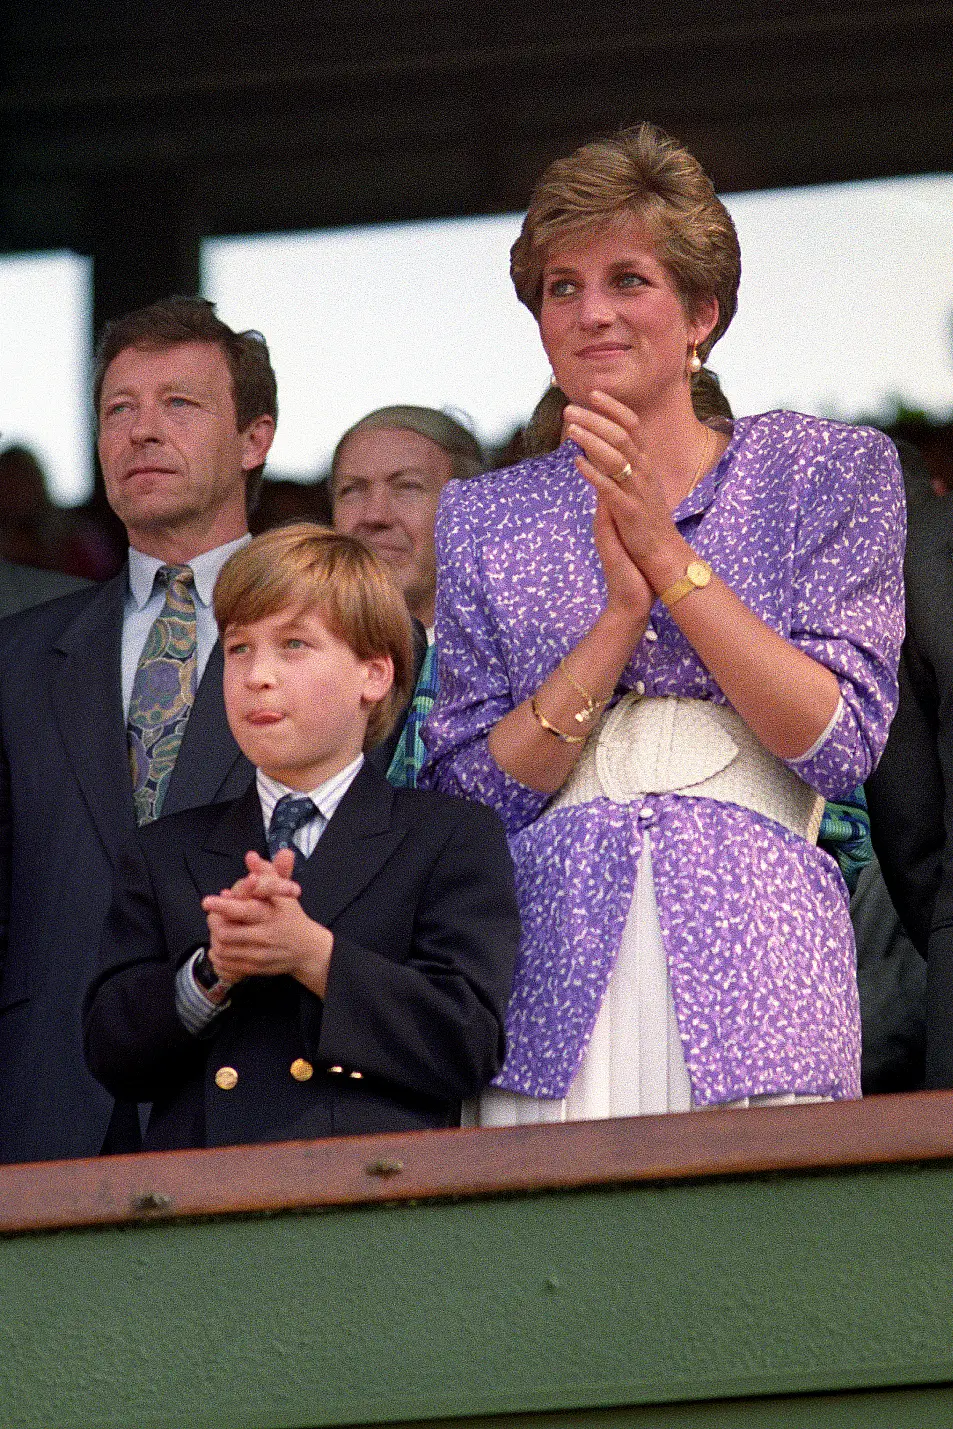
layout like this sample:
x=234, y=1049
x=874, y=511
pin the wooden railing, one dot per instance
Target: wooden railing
x=290, y=1176
x=758, y=1268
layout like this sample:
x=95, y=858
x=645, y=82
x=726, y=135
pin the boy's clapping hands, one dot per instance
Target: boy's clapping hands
x=257, y=928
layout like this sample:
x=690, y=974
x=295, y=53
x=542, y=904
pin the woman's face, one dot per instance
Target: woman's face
x=612, y=320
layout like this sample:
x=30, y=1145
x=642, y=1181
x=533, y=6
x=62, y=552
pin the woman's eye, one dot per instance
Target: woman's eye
x=294, y=643
x=629, y=280
x=560, y=288
x=236, y=649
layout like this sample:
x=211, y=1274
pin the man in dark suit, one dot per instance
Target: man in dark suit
x=186, y=410
x=366, y=996
x=910, y=795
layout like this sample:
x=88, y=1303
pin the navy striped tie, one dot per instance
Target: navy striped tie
x=290, y=813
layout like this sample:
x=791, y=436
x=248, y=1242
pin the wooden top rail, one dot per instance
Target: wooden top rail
x=300, y=1175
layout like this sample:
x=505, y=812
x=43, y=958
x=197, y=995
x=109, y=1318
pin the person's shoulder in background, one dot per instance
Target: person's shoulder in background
x=24, y=586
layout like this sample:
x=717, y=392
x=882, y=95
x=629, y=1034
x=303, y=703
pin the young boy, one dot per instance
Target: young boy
x=327, y=955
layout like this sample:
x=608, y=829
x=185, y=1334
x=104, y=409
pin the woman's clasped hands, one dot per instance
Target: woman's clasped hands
x=634, y=531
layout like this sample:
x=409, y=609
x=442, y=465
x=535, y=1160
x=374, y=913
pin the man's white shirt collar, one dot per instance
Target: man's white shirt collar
x=143, y=568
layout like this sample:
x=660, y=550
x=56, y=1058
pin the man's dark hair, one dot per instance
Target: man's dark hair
x=172, y=321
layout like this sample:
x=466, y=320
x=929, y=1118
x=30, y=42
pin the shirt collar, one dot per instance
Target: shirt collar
x=143, y=568
x=326, y=796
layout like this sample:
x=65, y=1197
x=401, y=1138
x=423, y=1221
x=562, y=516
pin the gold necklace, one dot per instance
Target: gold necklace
x=701, y=465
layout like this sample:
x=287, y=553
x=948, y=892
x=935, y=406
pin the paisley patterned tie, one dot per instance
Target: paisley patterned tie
x=163, y=693
x=290, y=812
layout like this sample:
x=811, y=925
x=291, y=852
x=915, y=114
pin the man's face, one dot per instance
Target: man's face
x=173, y=459
x=386, y=488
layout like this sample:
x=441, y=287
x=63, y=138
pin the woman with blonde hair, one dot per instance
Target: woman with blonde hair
x=661, y=647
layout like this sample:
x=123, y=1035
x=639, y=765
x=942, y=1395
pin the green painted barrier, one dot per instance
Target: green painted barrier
x=397, y=1285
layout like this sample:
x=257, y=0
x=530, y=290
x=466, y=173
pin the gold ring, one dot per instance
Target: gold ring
x=624, y=474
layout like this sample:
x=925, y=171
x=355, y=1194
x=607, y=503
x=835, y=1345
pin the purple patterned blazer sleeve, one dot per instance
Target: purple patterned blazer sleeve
x=848, y=598
x=474, y=689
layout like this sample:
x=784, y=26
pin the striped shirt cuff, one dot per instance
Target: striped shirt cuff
x=195, y=1009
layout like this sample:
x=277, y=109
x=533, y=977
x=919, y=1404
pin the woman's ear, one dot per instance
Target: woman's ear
x=703, y=320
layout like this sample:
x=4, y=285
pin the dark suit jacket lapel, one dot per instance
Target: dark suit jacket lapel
x=208, y=752
x=220, y=859
x=351, y=851
x=353, y=848
x=87, y=699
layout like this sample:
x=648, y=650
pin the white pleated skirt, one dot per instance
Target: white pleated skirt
x=634, y=1064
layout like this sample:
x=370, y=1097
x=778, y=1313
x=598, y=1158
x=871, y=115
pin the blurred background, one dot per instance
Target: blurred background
x=349, y=180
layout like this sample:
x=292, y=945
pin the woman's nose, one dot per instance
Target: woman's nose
x=595, y=308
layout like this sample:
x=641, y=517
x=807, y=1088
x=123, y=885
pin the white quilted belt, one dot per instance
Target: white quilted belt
x=692, y=747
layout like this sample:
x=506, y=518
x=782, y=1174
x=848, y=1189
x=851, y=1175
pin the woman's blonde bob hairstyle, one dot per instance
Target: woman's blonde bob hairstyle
x=308, y=565
x=645, y=174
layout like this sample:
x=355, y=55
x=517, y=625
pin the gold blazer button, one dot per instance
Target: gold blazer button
x=226, y=1078
x=301, y=1070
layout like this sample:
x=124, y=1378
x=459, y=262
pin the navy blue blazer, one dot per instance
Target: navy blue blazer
x=417, y=889
x=65, y=812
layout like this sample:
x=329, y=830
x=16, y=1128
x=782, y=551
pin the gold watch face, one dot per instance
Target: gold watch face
x=699, y=573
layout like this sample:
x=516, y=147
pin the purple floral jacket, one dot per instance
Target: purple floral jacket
x=804, y=519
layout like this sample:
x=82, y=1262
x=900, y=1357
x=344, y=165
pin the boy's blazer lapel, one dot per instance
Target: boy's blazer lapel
x=353, y=848
x=351, y=852
x=220, y=859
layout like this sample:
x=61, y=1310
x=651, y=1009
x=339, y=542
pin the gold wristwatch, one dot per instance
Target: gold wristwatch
x=697, y=576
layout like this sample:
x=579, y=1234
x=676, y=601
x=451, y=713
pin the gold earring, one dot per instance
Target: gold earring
x=694, y=362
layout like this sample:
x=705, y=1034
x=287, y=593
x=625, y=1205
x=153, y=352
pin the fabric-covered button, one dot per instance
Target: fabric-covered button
x=646, y=816
x=651, y=634
x=226, y=1078
x=301, y=1070
x=640, y=687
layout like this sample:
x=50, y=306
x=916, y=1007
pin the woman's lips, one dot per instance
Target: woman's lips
x=611, y=349
x=262, y=717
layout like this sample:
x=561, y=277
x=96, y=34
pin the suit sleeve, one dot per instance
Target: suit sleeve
x=135, y=1044
x=908, y=829
x=432, y=1022
x=6, y=852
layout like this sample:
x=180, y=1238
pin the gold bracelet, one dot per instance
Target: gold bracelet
x=593, y=706
x=544, y=723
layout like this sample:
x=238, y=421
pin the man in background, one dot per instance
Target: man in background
x=387, y=473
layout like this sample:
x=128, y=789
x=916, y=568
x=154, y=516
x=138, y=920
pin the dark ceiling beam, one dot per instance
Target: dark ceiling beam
x=129, y=130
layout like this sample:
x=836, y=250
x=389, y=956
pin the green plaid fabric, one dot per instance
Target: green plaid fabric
x=411, y=750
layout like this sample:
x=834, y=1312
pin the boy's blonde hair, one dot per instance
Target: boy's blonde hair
x=355, y=594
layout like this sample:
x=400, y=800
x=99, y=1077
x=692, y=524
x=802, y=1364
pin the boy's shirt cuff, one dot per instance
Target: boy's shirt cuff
x=195, y=1008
